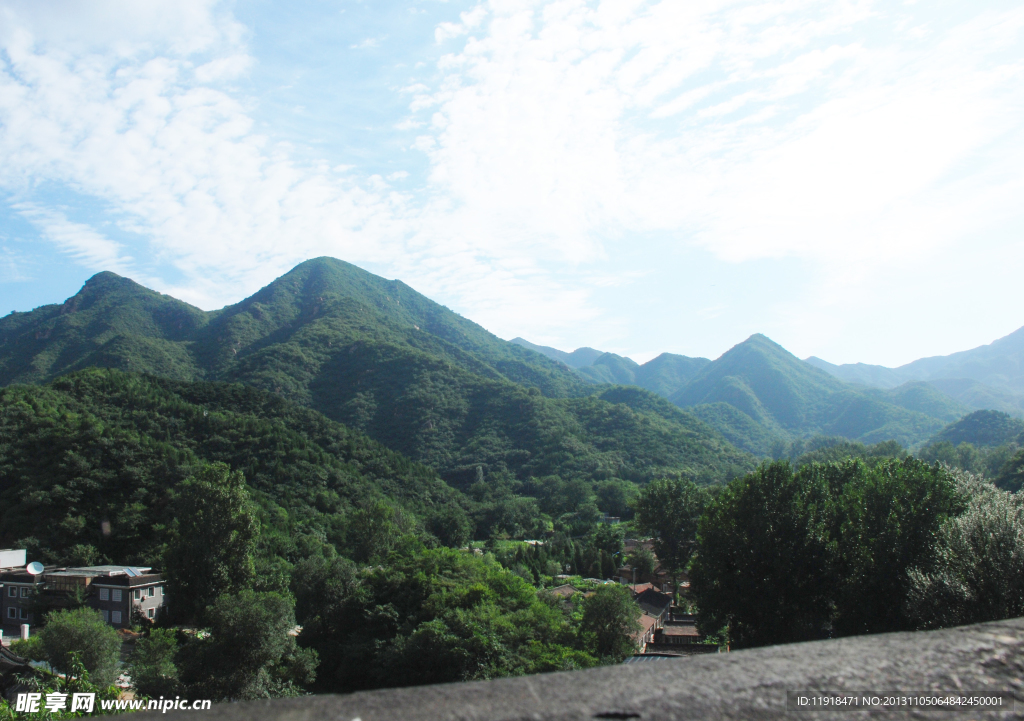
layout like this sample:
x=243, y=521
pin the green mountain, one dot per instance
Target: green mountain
x=978, y=396
x=668, y=373
x=789, y=398
x=997, y=370
x=921, y=397
x=103, y=449
x=663, y=375
x=579, y=358
x=739, y=429
x=381, y=358
x=611, y=368
x=983, y=429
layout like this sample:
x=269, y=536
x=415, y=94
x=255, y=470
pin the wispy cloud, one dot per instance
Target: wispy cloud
x=857, y=137
x=368, y=43
x=77, y=240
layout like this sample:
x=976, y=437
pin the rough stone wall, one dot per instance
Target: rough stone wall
x=985, y=660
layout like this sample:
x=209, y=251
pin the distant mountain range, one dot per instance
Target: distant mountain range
x=987, y=377
x=758, y=394
x=383, y=359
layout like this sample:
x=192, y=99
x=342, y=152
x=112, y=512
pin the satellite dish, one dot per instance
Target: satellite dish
x=34, y=568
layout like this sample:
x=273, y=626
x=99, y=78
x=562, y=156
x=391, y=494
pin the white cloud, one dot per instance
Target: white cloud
x=755, y=130
x=852, y=135
x=77, y=240
x=367, y=43
x=224, y=68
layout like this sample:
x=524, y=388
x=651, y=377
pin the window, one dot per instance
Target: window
x=150, y=613
x=106, y=616
x=25, y=591
x=104, y=594
x=116, y=594
x=14, y=592
x=152, y=591
x=115, y=617
x=160, y=590
x=12, y=612
x=23, y=614
x=138, y=594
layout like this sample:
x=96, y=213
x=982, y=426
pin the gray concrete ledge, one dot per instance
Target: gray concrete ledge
x=983, y=660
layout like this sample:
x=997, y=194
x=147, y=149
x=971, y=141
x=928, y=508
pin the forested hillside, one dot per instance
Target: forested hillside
x=758, y=396
x=987, y=377
x=787, y=398
x=382, y=359
x=106, y=447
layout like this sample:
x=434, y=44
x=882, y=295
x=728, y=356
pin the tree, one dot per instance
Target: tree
x=1011, y=475
x=376, y=529
x=250, y=652
x=827, y=551
x=890, y=515
x=151, y=664
x=434, y=616
x=450, y=525
x=610, y=623
x=669, y=510
x=643, y=562
x=765, y=565
x=608, y=538
x=976, y=570
x=213, y=543
x=81, y=632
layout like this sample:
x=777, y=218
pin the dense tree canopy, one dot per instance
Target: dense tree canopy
x=827, y=550
x=669, y=510
x=213, y=540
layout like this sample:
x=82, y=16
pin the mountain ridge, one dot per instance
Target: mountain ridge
x=381, y=358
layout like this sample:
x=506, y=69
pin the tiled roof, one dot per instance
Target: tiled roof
x=565, y=590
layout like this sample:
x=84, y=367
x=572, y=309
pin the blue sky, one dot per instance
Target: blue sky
x=634, y=176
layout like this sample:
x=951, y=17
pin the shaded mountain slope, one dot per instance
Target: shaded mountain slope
x=983, y=428
x=921, y=397
x=577, y=359
x=789, y=398
x=378, y=356
x=998, y=365
x=668, y=373
x=111, y=322
x=611, y=368
x=663, y=375
x=978, y=396
x=102, y=445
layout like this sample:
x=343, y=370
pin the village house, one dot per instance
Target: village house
x=122, y=594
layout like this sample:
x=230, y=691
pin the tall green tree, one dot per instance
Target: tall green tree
x=610, y=623
x=151, y=664
x=250, y=652
x=428, y=617
x=765, y=565
x=976, y=570
x=81, y=634
x=643, y=563
x=1011, y=475
x=669, y=509
x=213, y=542
x=891, y=514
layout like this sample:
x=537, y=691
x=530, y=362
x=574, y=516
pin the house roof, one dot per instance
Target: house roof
x=10, y=660
x=654, y=602
x=564, y=590
x=681, y=630
x=645, y=657
x=646, y=623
